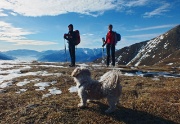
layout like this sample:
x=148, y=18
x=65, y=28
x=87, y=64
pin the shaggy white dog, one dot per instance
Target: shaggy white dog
x=107, y=87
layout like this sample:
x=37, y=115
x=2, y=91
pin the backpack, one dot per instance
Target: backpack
x=117, y=37
x=78, y=39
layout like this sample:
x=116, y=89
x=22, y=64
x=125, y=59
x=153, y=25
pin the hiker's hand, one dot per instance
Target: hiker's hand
x=65, y=36
x=103, y=39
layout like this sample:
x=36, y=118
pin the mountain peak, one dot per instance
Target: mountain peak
x=159, y=49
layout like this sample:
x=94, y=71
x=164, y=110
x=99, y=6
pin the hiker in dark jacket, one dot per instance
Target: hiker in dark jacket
x=110, y=45
x=71, y=37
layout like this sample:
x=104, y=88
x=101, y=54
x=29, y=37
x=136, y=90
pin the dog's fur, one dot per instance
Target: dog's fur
x=107, y=87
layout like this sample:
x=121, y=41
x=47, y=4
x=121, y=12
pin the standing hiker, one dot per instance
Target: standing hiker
x=71, y=37
x=110, y=45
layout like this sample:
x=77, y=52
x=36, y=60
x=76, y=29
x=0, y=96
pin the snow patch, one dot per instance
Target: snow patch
x=6, y=84
x=73, y=89
x=23, y=82
x=85, y=51
x=161, y=37
x=42, y=85
x=46, y=95
x=170, y=64
x=54, y=91
x=21, y=91
x=165, y=45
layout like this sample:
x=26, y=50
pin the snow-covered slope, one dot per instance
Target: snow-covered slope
x=159, y=49
x=147, y=51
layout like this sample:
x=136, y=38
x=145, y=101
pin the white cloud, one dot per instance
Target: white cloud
x=87, y=7
x=129, y=12
x=154, y=27
x=134, y=3
x=90, y=41
x=2, y=13
x=9, y=33
x=56, y=7
x=159, y=11
x=30, y=42
x=143, y=36
x=88, y=34
x=14, y=14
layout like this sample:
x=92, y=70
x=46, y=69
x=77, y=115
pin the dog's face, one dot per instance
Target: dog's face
x=80, y=71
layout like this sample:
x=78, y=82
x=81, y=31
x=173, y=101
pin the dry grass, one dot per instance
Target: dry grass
x=143, y=101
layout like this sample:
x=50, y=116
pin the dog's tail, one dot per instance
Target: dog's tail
x=110, y=79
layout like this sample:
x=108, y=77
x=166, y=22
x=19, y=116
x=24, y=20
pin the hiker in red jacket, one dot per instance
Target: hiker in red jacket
x=71, y=37
x=110, y=45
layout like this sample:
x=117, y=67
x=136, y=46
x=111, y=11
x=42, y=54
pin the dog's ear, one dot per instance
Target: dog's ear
x=76, y=72
x=90, y=68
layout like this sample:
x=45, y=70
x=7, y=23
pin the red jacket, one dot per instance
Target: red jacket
x=110, y=37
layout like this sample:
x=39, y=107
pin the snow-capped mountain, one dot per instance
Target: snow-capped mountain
x=162, y=50
x=82, y=55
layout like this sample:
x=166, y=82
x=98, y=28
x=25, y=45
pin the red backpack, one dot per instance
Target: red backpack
x=78, y=39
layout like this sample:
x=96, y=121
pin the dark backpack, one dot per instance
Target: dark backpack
x=117, y=37
x=78, y=39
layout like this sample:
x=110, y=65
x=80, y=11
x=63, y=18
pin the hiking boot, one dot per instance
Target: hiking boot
x=71, y=65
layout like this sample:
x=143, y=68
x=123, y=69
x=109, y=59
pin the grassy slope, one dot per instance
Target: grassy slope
x=144, y=100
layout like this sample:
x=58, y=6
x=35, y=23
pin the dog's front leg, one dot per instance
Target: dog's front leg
x=83, y=100
x=112, y=104
x=82, y=104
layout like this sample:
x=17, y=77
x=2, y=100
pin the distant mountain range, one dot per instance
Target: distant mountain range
x=161, y=50
x=5, y=57
x=82, y=55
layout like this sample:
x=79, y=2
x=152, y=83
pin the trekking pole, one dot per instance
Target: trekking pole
x=102, y=61
x=103, y=40
x=65, y=51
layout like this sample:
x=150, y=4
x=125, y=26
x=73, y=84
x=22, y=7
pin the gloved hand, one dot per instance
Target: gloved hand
x=65, y=36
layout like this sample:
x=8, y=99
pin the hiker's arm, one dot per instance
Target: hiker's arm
x=69, y=37
x=66, y=36
x=104, y=44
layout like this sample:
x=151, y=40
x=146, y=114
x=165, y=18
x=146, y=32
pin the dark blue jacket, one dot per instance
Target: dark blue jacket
x=71, y=38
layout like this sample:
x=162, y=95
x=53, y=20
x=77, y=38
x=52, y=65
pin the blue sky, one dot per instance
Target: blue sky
x=40, y=24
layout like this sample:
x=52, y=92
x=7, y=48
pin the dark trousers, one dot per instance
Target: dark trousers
x=72, y=53
x=110, y=49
